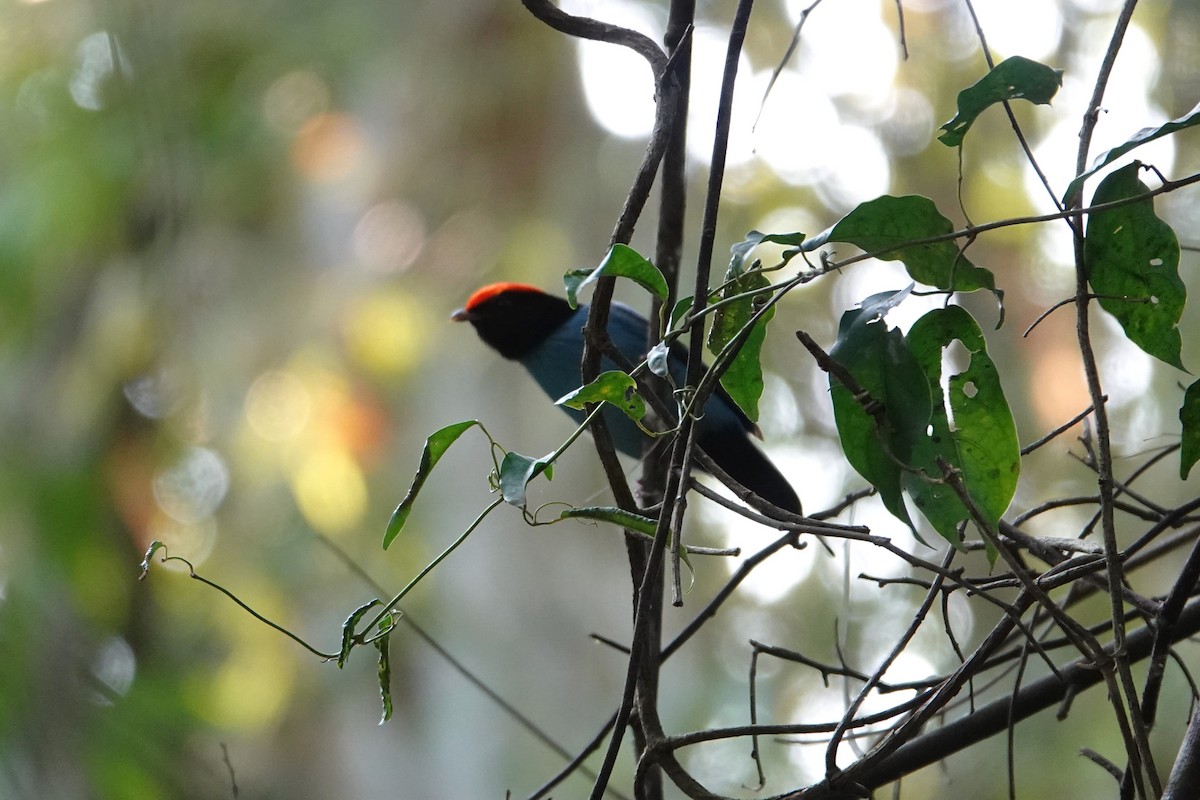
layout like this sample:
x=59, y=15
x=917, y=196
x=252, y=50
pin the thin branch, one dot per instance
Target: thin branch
x=877, y=676
x=577, y=763
x=988, y=720
x=1012, y=118
x=596, y=30
x=1140, y=758
x=1184, y=781
x=972, y=231
x=791, y=49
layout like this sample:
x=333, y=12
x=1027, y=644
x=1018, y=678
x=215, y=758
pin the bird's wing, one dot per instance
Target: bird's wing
x=627, y=329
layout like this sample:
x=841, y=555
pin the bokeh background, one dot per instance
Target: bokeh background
x=230, y=237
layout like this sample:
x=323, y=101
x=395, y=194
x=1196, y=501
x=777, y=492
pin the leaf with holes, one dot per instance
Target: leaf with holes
x=1133, y=265
x=876, y=445
x=886, y=225
x=613, y=387
x=384, y=670
x=348, y=630
x=1016, y=78
x=971, y=427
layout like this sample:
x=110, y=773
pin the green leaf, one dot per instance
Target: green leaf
x=617, y=516
x=885, y=225
x=1189, y=415
x=1015, y=78
x=742, y=249
x=1191, y=119
x=348, y=630
x=743, y=379
x=972, y=427
x=516, y=471
x=635, y=523
x=436, y=445
x=681, y=307
x=879, y=361
x=621, y=261
x=613, y=387
x=383, y=645
x=1133, y=265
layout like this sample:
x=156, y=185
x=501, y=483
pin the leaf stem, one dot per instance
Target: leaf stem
x=395, y=601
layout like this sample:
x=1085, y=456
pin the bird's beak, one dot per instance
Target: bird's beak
x=461, y=315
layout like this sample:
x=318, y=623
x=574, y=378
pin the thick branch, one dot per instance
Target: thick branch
x=992, y=718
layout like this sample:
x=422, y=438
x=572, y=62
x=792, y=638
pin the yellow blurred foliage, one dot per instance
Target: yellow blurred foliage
x=387, y=332
x=251, y=687
x=330, y=490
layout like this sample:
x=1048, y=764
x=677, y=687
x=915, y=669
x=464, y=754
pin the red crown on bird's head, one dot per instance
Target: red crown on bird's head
x=493, y=289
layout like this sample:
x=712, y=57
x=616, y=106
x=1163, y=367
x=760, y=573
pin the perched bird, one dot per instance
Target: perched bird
x=545, y=335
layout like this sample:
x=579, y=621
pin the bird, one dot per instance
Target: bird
x=544, y=334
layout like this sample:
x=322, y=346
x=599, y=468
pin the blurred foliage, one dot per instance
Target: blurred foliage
x=229, y=236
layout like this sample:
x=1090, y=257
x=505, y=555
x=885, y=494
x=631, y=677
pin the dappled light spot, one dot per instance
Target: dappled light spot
x=154, y=395
x=193, y=487
x=1127, y=108
x=708, y=65
x=387, y=332
x=1125, y=368
x=773, y=579
x=858, y=69
x=908, y=128
x=330, y=490
x=864, y=171
x=797, y=133
x=807, y=753
x=251, y=687
x=617, y=83
x=278, y=405
x=1030, y=28
x=1096, y=6
x=97, y=58
x=819, y=479
x=328, y=147
x=113, y=666
x=389, y=237
x=194, y=541
x=293, y=98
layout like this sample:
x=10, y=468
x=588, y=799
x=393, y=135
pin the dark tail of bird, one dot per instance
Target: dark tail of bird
x=747, y=465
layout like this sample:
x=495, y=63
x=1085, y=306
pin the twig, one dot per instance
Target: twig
x=680, y=464
x=900, y=25
x=791, y=49
x=876, y=677
x=1141, y=759
x=988, y=720
x=1184, y=781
